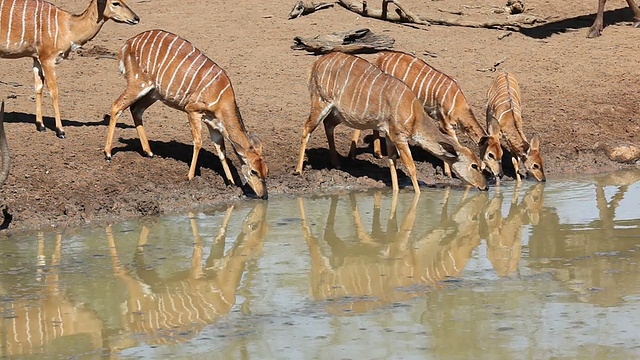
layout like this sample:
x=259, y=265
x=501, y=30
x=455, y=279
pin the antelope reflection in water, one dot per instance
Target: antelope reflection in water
x=504, y=238
x=598, y=261
x=174, y=309
x=391, y=267
x=34, y=322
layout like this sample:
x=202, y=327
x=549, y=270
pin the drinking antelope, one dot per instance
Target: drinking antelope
x=598, y=23
x=47, y=33
x=503, y=104
x=4, y=149
x=350, y=90
x=159, y=65
x=444, y=101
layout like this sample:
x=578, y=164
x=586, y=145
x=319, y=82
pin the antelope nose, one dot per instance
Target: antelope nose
x=136, y=19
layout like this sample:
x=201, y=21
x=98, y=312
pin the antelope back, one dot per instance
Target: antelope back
x=27, y=25
x=362, y=93
x=179, y=72
x=439, y=93
x=442, y=98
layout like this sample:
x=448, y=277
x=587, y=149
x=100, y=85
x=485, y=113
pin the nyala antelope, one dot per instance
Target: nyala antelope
x=444, y=101
x=4, y=149
x=350, y=90
x=38, y=29
x=159, y=65
x=503, y=105
x=598, y=23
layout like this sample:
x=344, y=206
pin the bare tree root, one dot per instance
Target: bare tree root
x=351, y=41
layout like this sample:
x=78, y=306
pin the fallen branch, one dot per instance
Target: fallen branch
x=351, y=41
x=495, y=66
x=402, y=15
x=300, y=8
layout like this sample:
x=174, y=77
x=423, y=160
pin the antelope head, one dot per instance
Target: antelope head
x=254, y=169
x=490, y=149
x=118, y=11
x=466, y=165
x=533, y=162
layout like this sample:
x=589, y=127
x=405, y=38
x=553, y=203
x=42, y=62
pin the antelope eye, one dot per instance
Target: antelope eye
x=254, y=173
x=474, y=166
x=491, y=156
x=536, y=166
x=115, y=3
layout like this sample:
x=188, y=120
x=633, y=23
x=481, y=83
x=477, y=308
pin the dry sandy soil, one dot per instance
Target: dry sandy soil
x=578, y=94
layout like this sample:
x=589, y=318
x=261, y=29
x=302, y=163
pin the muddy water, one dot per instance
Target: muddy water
x=539, y=271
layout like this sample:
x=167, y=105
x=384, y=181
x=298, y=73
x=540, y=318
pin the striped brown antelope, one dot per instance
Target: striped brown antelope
x=48, y=34
x=175, y=308
x=350, y=90
x=160, y=65
x=4, y=150
x=503, y=104
x=444, y=101
x=598, y=23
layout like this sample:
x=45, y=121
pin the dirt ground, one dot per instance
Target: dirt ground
x=578, y=94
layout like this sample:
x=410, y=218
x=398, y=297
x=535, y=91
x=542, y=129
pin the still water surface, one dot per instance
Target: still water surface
x=539, y=271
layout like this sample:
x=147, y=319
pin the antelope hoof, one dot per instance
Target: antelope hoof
x=40, y=127
x=149, y=154
x=60, y=133
x=107, y=157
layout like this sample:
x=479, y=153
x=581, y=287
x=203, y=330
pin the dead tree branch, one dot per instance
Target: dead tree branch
x=352, y=41
x=402, y=15
x=300, y=8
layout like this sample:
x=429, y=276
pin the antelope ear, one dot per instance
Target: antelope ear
x=493, y=127
x=535, y=143
x=255, y=142
x=448, y=150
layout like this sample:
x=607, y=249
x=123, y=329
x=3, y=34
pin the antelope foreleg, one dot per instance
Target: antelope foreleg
x=48, y=67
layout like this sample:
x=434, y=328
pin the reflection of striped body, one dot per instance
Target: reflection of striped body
x=503, y=105
x=4, y=149
x=159, y=65
x=348, y=89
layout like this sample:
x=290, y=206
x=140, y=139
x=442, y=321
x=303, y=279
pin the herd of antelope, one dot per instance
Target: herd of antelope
x=394, y=96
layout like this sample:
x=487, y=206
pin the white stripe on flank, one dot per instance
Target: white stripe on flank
x=1, y=7
x=360, y=80
x=419, y=92
x=453, y=102
x=393, y=70
x=23, y=23
x=326, y=67
x=409, y=68
x=399, y=99
x=49, y=21
x=366, y=106
x=381, y=109
x=35, y=24
x=10, y=21
x=411, y=115
x=348, y=76
x=370, y=71
x=208, y=84
x=415, y=80
x=441, y=100
x=153, y=44
x=335, y=83
x=55, y=39
x=155, y=59
x=141, y=48
x=177, y=70
x=204, y=76
x=166, y=54
x=427, y=91
x=169, y=65
x=220, y=94
x=193, y=77
x=435, y=93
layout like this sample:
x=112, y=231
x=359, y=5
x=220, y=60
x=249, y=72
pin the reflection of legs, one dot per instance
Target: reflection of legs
x=319, y=111
x=217, y=248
